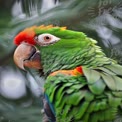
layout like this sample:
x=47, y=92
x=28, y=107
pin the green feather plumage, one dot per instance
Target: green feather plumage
x=94, y=97
x=80, y=100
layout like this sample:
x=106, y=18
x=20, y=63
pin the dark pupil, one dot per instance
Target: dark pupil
x=47, y=37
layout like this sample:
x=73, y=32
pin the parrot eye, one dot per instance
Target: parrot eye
x=46, y=39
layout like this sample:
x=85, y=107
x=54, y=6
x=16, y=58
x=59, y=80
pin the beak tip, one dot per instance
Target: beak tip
x=21, y=54
x=19, y=63
x=18, y=60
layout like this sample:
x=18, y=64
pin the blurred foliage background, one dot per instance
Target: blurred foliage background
x=21, y=92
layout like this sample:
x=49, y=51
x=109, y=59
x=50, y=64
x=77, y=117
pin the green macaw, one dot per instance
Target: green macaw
x=82, y=84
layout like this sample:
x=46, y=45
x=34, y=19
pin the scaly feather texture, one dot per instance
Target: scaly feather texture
x=95, y=95
x=92, y=97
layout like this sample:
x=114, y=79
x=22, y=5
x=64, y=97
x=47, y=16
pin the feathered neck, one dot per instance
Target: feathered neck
x=90, y=56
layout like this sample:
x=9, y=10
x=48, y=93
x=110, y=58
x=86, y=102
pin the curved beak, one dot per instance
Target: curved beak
x=27, y=55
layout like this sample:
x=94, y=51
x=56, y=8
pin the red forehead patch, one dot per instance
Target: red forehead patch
x=26, y=35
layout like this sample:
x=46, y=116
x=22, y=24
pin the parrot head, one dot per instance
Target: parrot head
x=51, y=48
